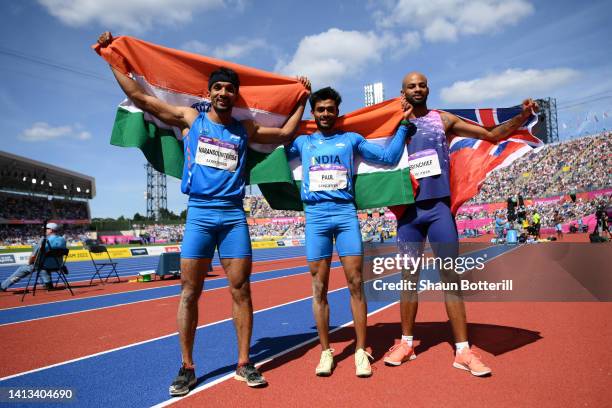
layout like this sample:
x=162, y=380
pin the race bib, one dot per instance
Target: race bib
x=424, y=164
x=216, y=153
x=327, y=177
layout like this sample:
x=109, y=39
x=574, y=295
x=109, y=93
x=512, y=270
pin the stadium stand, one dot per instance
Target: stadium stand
x=557, y=169
x=32, y=192
x=547, y=179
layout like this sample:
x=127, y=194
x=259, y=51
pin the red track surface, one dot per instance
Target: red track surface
x=95, y=331
x=82, y=289
x=542, y=354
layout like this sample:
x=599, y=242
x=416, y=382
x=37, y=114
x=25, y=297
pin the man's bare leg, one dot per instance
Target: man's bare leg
x=192, y=281
x=319, y=270
x=238, y=271
x=353, y=272
x=455, y=309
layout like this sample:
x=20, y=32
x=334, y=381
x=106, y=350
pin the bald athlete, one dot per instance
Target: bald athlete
x=430, y=216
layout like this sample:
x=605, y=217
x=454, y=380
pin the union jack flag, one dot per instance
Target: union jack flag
x=472, y=160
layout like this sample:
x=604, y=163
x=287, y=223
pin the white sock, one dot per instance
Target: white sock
x=462, y=345
x=407, y=339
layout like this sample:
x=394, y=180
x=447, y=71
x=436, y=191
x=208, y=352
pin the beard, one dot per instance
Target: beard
x=328, y=126
x=417, y=102
x=222, y=108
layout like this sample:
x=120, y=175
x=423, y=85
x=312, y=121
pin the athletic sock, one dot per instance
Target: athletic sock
x=460, y=346
x=407, y=339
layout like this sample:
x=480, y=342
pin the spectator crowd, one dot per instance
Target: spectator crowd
x=30, y=207
x=558, y=169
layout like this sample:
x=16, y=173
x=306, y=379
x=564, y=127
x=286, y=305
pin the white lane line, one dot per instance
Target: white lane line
x=150, y=340
x=286, y=351
x=138, y=290
x=146, y=300
x=231, y=375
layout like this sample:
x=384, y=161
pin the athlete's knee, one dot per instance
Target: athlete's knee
x=354, y=282
x=190, y=294
x=241, y=292
x=319, y=291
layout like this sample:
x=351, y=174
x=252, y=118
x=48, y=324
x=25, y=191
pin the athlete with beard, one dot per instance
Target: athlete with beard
x=430, y=216
x=328, y=165
x=214, y=178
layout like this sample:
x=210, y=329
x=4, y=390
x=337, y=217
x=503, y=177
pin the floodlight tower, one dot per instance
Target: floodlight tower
x=157, y=192
x=374, y=93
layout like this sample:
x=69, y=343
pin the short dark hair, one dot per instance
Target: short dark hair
x=224, y=74
x=324, y=94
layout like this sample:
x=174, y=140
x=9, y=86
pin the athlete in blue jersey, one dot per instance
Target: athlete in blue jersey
x=214, y=178
x=328, y=166
x=430, y=216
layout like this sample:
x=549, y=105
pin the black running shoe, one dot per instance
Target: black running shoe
x=184, y=382
x=250, y=375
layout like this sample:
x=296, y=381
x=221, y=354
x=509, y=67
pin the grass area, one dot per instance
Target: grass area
x=12, y=250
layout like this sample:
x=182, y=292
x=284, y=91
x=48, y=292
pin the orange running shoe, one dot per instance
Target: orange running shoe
x=467, y=360
x=400, y=353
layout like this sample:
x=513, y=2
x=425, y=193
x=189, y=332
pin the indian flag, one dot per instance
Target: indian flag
x=181, y=78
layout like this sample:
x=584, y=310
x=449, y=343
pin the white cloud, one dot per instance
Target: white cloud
x=132, y=15
x=440, y=29
x=446, y=20
x=232, y=50
x=196, y=46
x=333, y=54
x=512, y=82
x=409, y=41
x=42, y=131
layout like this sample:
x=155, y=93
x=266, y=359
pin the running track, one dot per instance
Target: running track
x=121, y=349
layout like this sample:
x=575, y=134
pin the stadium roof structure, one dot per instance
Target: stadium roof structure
x=21, y=174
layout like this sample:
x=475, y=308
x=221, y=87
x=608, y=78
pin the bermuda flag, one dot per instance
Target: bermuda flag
x=181, y=78
x=472, y=160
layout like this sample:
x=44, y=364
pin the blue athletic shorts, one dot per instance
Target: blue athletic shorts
x=208, y=228
x=431, y=219
x=328, y=220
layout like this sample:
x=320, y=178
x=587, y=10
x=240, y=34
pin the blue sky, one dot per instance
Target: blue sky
x=58, y=98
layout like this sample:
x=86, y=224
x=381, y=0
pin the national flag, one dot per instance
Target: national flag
x=472, y=160
x=181, y=78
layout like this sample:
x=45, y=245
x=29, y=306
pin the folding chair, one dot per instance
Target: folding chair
x=101, y=264
x=51, y=260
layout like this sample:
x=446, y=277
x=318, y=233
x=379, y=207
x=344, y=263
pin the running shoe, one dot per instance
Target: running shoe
x=184, y=382
x=326, y=364
x=467, y=360
x=362, y=363
x=400, y=353
x=250, y=375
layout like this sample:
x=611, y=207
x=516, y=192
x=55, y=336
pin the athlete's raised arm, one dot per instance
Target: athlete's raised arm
x=271, y=135
x=455, y=126
x=179, y=116
x=392, y=153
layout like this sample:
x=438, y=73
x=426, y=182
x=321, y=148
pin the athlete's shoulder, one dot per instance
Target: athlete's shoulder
x=354, y=137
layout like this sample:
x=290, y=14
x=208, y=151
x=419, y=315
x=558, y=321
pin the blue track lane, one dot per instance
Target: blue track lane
x=24, y=313
x=139, y=376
